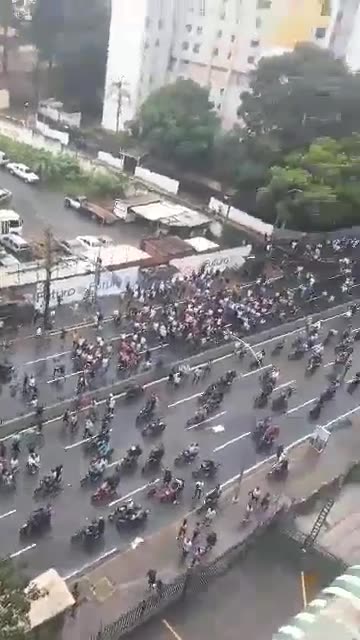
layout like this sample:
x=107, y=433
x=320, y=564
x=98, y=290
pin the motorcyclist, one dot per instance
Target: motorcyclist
x=111, y=483
x=208, y=465
x=282, y=464
x=192, y=450
x=38, y=516
x=157, y=452
x=56, y=473
x=89, y=429
x=96, y=528
x=151, y=402
x=97, y=466
x=15, y=443
x=213, y=495
x=260, y=357
x=111, y=401
x=66, y=417
x=270, y=435
x=167, y=477
x=33, y=461
x=134, y=451
x=14, y=463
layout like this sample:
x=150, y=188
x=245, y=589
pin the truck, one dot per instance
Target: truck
x=91, y=209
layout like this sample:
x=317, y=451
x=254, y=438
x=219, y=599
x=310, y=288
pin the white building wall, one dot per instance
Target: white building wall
x=213, y=42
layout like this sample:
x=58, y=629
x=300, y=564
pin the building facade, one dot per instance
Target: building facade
x=214, y=42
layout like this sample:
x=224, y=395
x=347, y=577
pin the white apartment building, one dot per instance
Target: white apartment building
x=214, y=42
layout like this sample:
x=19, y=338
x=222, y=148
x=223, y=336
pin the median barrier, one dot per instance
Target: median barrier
x=158, y=373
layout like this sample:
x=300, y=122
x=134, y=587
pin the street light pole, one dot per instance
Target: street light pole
x=98, y=267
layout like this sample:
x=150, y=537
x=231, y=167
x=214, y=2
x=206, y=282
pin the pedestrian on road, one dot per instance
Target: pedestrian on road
x=199, y=487
x=159, y=586
x=182, y=530
x=196, y=533
x=167, y=477
x=279, y=451
x=2, y=450
x=197, y=375
x=209, y=517
x=265, y=502
x=151, y=576
x=186, y=548
x=211, y=540
x=254, y=495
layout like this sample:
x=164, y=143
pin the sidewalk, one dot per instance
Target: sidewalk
x=120, y=583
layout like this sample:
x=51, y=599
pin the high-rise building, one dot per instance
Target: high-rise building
x=214, y=42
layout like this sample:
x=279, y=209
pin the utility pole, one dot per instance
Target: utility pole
x=98, y=267
x=119, y=87
x=47, y=283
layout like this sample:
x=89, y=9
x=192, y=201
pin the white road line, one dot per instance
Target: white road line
x=251, y=373
x=285, y=384
x=24, y=550
x=65, y=377
x=9, y=513
x=198, y=424
x=113, y=464
x=328, y=364
x=344, y=415
x=226, y=444
x=262, y=462
x=133, y=493
x=175, y=404
x=91, y=564
x=300, y=406
x=78, y=443
x=51, y=357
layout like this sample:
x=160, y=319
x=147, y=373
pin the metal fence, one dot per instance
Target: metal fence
x=185, y=584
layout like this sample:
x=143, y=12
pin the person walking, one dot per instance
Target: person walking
x=151, y=576
x=186, y=548
x=196, y=533
x=198, y=491
x=182, y=530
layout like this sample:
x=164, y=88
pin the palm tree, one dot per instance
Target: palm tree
x=6, y=17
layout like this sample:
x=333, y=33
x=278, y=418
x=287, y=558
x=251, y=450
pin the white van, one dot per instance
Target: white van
x=16, y=244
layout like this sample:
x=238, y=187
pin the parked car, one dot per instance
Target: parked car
x=23, y=172
x=74, y=202
x=4, y=160
x=16, y=244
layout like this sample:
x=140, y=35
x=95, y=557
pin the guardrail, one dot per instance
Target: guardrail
x=56, y=410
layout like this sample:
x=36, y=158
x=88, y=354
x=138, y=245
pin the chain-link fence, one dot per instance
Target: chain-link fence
x=185, y=584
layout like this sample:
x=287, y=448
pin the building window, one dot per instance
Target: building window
x=185, y=46
x=229, y=55
x=157, y=42
x=258, y=23
x=264, y=4
x=202, y=7
x=320, y=33
x=251, y=59
x=147, y=23
x=233, y=38
x=222, y=91
x=160, y=24
x=199, y=31
x=219, y=33
x=254, y=43
x=196, y=48
x=189, y=28
x=326, y=8
x=215, y=51
x=146, y=45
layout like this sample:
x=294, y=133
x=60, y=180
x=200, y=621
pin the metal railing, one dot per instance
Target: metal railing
x=185, y=584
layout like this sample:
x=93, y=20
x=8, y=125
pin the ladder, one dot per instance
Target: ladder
x=318, y=524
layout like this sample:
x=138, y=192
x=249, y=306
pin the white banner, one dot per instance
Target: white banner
x=76, y=288
x=218, y=260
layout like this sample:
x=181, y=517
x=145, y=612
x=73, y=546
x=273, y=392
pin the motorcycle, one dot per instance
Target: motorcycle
x=353, y=384
x=48, y=486
x=278, y=471
x=136, y=520
x=133, y=392
x=199, y=417
x=151, y=464
x=36, y=526
x=280, y=403
x=261, y=400
x=32, y=468
x=315, y=411
x=90, y=534
x=211, y=500
x=205, y=471
x=278, y=348
x=103, y=494
x=92, y=477
x=145, y=413
x=311, y=367
x=185, y=457
x=297, y=354
x=124, y=510
x=167, y=494
x=154, y=428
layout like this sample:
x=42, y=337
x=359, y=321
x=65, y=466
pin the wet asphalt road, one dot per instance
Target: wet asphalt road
x=224, y=437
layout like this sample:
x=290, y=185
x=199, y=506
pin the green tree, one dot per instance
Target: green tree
x=6, y=19
x=46, y=27
x=178, y=122
x=299, y=96
x=14, y=605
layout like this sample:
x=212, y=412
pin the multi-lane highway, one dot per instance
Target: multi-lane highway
x=225, y=437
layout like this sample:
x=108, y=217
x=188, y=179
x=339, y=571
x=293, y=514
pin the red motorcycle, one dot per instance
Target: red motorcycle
x=103, y=494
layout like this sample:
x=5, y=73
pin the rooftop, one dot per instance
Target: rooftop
x=115, y=255
x=55, y=598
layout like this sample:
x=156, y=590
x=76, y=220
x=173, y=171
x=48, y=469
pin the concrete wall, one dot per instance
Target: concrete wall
x=49, y=132
x=108, y=159
x=57, y=115
x=4, y=99
x=240, y=218
x=163, y=182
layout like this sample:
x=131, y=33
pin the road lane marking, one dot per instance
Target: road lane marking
x=9, y=513
x=198, y=424
x=175, y=404
x=328, y=364
x=91, y=564
x=171, y=629
x=300, y=406
x=251, y=373
x=133, y=493
x=78, y=443
x=113, y=464
x=21, y=551
x=260, y=464
x=285, y=384
x=226, y=444
x=344, y=415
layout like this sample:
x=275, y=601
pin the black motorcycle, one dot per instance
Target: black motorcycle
x=145, y=413
x=261, y=400
x=206, y=471
x=90, y=534
x=154, y=428
x=151, y=464
x=133, y=392
x=91, y=478
x=315, y=411
x=37, y=524
x=48, y=486
x=185, y=457
x=134, y=520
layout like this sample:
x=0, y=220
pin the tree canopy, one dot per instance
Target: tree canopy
x=299, y=96
x=14, y=605
x=178, y=122
x=315, y=189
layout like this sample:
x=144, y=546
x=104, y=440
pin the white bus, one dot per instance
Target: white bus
x=10, y=222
